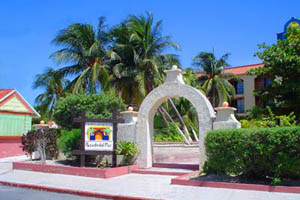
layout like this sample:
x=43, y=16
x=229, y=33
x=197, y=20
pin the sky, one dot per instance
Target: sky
x=27, y=28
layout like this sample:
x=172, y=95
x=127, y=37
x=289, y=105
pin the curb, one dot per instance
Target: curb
x=74, y=192
x=141, y=171
x=184, y=180
x=176, y=166
x=76, y=171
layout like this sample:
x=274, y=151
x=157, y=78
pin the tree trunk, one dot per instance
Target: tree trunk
x=167, y=114
x=194, y=133
x=213, y=96
x=171, y=119
x=41, y=146
x=182, y=135
x=164, y=118
x=180, y=120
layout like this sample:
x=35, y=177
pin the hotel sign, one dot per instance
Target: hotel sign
x=98, y=136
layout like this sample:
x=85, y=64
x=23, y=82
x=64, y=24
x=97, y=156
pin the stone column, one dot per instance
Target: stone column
x=249, y=86
x=225, y=118
x=41, y=125
x=126, y=131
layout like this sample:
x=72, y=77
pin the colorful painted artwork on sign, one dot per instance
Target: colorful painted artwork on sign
x=99, y=133
x=98, y=136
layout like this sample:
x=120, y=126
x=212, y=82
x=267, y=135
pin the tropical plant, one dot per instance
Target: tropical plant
x=162, y=134
x=190, y=78
x=85, y=52
x=189, y=115
x=69, y=141
x=269, y=119
x=53, y=84
x=140, y=46
x=281, y=65
x=149, y=45
x=126, y=79
x=215, y=82
x=129, y=150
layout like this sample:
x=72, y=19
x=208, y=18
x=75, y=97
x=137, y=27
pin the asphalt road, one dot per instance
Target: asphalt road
x=14, y=193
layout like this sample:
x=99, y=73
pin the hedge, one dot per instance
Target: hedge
x=255, y=153
x=96, y=106
x=69, y=141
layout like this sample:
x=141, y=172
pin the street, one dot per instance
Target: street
x=14, y=193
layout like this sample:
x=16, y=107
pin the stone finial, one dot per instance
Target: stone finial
x=225, y=118
x=174, y=67
x=129, y=116
x=130, y=108
x=42, y=122
x=174, y=74
x=225, y=104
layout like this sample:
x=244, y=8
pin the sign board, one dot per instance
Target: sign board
x=98, y=136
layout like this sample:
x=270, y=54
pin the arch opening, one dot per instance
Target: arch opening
x=171, y=89
x=174, y=142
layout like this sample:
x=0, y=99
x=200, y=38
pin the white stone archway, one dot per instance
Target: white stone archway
x=173, y=86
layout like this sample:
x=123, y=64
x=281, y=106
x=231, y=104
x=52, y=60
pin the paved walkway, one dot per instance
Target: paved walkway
x=135, y=185
x=8, y=149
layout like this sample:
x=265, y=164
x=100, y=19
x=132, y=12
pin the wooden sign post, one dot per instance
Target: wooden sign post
x=98, y=137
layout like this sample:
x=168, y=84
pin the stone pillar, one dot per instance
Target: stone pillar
x=249, y=86
x=41, y=125
x=225, y=118
x=126, y=131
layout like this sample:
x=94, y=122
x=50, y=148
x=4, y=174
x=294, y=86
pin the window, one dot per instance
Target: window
x=240, y=87
x=266, y=82
x=262, y=82
x=240, y=105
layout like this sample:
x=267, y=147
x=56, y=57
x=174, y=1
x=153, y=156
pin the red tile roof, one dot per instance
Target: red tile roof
x=4, y=92
x=240, y=70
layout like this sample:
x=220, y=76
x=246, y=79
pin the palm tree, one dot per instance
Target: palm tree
x=85, y=52
x=213, y=79
x=141, y=46
x=148, y=45
x=125, y=74
x=190, y=78
x=53, y=84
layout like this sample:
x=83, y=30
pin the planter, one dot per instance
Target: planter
x=76, y=171
x=185, y=180
x=36, y=155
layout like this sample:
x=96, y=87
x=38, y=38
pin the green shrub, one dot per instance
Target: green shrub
x=270, y=120
x=165, y=135
x=129, y=150
x=96, y=106
x=68, y=141
x=257, y=123
x=278, y=121
x=262, y=152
